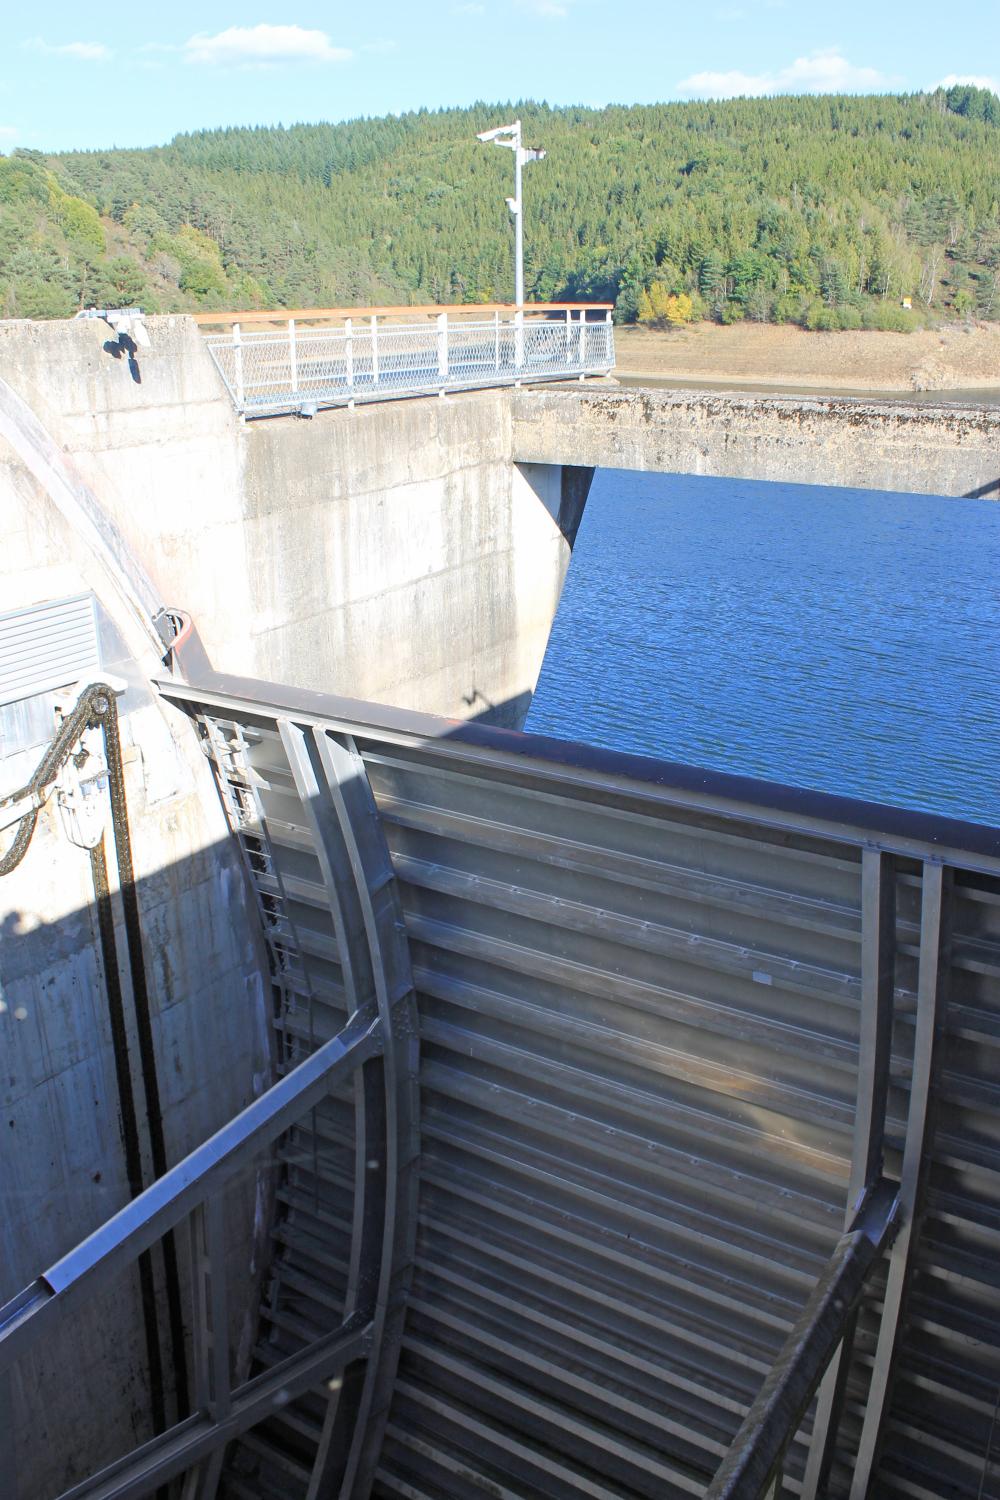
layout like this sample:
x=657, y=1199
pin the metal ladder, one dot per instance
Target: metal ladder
x=314, y=1238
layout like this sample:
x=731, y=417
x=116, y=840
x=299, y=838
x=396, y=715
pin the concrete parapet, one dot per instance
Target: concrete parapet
x=836, y=440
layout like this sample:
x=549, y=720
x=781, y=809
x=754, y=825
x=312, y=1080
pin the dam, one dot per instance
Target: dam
x=398, y=1104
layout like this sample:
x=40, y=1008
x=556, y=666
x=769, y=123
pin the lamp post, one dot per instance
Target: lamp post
x=510, y=136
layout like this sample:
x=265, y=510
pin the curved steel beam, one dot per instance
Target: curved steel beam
x=333, y=788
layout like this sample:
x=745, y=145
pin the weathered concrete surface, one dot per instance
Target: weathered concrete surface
x=851, y=442
x=396, y=549
x=84, y=1397
x=391, y=553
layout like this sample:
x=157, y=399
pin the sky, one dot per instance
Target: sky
x=126, y=74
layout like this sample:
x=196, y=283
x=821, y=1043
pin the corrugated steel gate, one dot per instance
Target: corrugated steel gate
x=641, y=990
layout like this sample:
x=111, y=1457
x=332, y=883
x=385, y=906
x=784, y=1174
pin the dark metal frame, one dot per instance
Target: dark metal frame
x=847, y=820
x=185, y=1192
x=821, y=1344
x=333, y=787
x=379, y=1048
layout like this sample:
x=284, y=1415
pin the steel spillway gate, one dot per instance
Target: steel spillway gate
x=709, y=1119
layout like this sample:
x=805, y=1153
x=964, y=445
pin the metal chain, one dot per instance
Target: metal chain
x=91, y=711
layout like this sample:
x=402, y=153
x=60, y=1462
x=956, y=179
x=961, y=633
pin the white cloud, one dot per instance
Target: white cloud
x=826, y=72
x=978, y=80
x=263, y=46
x=548, y=10
x=84, y=51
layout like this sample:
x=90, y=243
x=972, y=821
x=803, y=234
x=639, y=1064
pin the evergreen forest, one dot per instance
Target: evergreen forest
x=828, y=211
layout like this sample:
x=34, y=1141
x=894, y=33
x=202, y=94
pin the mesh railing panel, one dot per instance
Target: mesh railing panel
x=267, y=373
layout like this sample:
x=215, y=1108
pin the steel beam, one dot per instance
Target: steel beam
x=935, y=914
x=754, y=1457
x=210, y=1324
x=146, y=1468
x=592, y=770
x=878, y=978
x=332, y=784
x=93, y=1264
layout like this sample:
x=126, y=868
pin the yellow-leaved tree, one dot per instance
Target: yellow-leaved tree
x=660, y=298
x=679, y=309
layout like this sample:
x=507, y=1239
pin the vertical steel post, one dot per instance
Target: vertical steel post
x=933, y=964
x=442, y=345
x=349, y=352
x=583, y=335
x=7, y=1435
x=518, y=223
x=878, y=980
x=519, y=340
x=210, y=1325
x=496, y=339
x=373, y=323
x=292, y=360
x=238, y=367
x=569, y=335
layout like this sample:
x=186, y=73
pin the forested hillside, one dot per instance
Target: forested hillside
x=822, y=210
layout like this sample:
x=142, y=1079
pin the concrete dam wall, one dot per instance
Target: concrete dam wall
x=395, y=552
x=76, y=1099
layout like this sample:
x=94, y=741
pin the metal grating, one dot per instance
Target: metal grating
x=641, y=990
x=47, y=646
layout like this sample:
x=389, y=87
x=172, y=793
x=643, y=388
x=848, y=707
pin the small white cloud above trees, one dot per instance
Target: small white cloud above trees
x=263, y=46
x=83, y=51
x=824, y=72
x=976, y=80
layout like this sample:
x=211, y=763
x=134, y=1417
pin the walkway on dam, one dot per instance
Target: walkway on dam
x=969, y=396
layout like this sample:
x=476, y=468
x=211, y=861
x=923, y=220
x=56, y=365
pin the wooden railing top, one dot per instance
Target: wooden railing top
x=251, y=316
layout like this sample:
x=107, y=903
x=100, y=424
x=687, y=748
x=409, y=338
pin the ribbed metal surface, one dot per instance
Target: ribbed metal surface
x=640, y=1005
x=639, y=1058
x=47, y=646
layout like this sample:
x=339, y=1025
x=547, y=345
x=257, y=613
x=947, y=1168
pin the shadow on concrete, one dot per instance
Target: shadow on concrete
x=984, y=491
x=125, y=345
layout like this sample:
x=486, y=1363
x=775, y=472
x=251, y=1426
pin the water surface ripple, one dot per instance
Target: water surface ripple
x=836, y=639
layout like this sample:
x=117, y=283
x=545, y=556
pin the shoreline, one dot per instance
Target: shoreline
x=981, y=395
x=954, y=358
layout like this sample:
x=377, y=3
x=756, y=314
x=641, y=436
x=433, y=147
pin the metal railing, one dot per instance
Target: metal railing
x=371, y=359
x=191, y=1192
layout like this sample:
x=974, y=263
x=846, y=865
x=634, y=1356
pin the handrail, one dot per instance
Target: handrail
x=136, y=1227
x=755, y=1455
x=250, y=316
x=289, y=368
